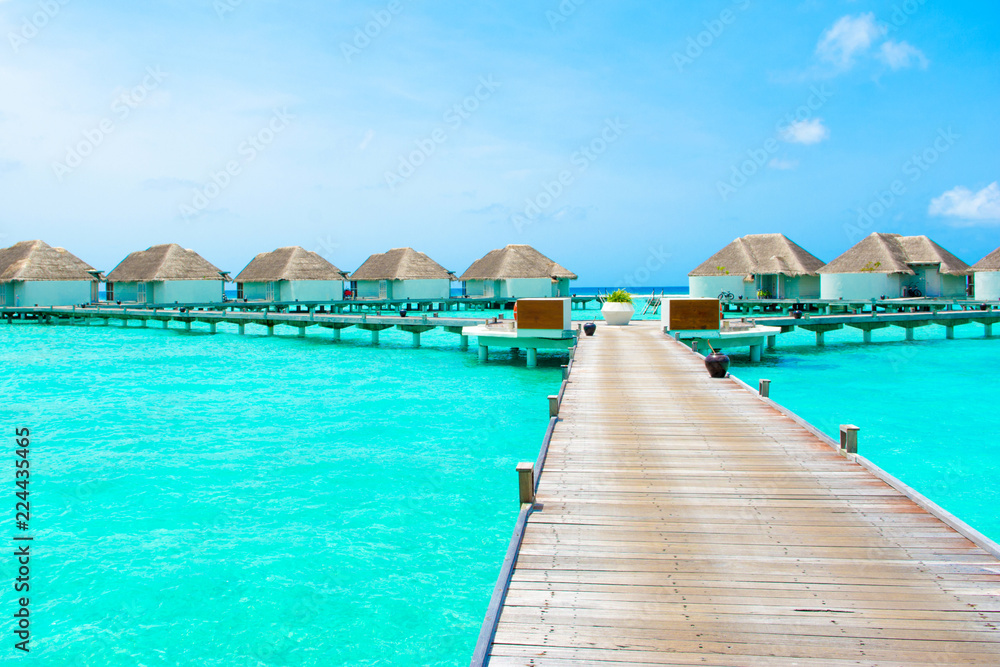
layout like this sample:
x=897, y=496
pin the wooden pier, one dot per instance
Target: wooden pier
x=163, y=317
x=681, y=520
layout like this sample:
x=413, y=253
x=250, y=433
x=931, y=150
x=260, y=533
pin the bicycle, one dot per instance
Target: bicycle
x=726, y=296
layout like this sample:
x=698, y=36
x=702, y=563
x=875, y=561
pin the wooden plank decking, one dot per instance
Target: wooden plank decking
x=687, y=522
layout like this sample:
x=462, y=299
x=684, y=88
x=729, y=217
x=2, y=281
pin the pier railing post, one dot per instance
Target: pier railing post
x=849, y=438
x=765, y=388
x=526, y=482
x=553, y=406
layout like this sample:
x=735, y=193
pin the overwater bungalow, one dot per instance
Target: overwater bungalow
x=291, y=273
x=987, y=276
x=893, y=266
x=401, y=273
x=33, y=273
x=758, y=265
x=166, y=274
x=516, y=271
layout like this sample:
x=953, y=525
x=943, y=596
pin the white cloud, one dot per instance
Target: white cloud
x=782, y=163
x=848, y=37
x=899, y=55
x=964, y=204
x=805, y=132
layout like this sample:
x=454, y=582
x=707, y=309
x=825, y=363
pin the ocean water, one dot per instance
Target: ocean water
x=927, y=409
x=226, y=500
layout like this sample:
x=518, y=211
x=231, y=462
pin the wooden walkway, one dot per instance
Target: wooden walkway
x=687, y=522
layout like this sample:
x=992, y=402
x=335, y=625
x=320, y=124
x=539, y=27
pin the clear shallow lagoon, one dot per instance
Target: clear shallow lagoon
x=225, y=500
x=929, y=410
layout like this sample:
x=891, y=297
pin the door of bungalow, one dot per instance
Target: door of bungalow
x=383, y=289
x=140, y=292
x=488, y=289
x=269, y=291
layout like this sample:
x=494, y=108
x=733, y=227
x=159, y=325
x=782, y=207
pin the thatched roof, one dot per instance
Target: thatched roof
x=37, y=260
x=289, y=263
x=164, y=262
x=893, y=253
x=989, y=263
x=401, y=264
x=515, y=261
x=760, y=254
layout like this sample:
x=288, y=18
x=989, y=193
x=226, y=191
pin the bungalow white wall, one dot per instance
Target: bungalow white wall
x=405, y=289
x=861, y=286
x=709, y=287
x=801, y=287
x=47, y=292
x=932, y=282
x=988, y=285
x=529, y=288
x=295, y=290
x=169, y=291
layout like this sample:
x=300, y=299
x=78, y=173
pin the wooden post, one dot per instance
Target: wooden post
x=765, y=388
x=565, y=369
x=553, y=406
x=526, y=482
x=849, y=438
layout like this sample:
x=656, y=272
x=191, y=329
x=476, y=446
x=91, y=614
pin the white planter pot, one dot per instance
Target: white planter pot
x=617, y=314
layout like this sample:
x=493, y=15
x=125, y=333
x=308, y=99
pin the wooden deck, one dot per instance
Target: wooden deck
x=685, y=521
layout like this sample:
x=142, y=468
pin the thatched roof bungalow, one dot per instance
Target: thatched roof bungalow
x=893, y=266
x=765, y=265
x=291, y=273
x=401, y=273
x=516, y=271
x=33, y=273
x=166, y=274
x=987, y=276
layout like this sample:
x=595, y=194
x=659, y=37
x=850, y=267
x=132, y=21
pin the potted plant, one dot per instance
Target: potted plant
x=618, y=309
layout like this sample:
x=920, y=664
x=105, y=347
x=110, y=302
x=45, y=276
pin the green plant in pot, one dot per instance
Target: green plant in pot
x=618, y=309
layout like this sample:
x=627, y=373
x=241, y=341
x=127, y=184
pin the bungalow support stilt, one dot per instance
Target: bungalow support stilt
x=464, y=342
x=484, y=353
x=532, y=357
x=755, y=352
x=243, y=328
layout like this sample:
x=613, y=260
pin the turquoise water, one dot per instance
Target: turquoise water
x=226, y=500
x=927, y=409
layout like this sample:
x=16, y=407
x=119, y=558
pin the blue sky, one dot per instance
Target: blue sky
x=626, y=140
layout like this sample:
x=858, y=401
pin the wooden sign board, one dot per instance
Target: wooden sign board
x=691, y=314
x=543, y=314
